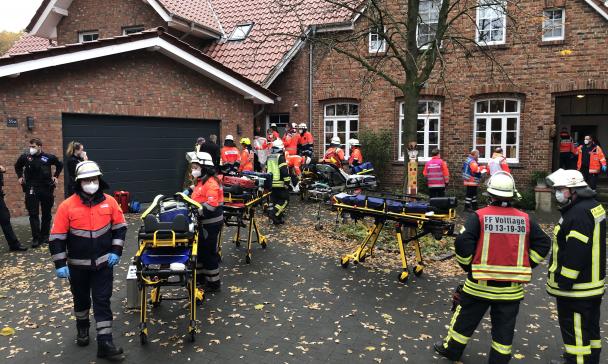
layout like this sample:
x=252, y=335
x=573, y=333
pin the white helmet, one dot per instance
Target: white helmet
x=87, y=169
x=354, y=143
x=335, y=140
x=302, y=126
x=278, y=144
x=273, y=125
x=294, y=125
x=202, y=158
x=566, y=178
x=229, y=137
x=502, y=184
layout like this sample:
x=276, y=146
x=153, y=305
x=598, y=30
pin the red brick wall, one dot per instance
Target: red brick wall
x=137, y=84
x=107, y=16
x=538, y=72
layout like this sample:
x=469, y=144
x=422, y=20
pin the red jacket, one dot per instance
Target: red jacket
x=210, y=194
x=566, y=145
x=596, y=159
x=246, y=160
x=230, y=155
x=334, y=155
x=84, y=234
x=355, y=156
x=291, y=141
x=436, y=172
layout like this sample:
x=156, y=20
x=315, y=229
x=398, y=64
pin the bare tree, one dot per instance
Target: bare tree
x=412, y=40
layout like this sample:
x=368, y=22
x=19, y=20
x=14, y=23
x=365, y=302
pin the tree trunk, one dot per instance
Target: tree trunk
x=410, y=130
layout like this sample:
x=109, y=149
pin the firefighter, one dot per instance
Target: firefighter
x=306, y=142
x=437, y=174
x=291, y=139
x=498, y=162
x=356, y=157
x=591, y=161
x=567, y=149
x=334, y=154
x=86, y=243
x=247, y=156
x=5, y=220
x=498, y=247
x=279, y=198
x=230, y=158
x=578, y=266
x=472, y=173
x=208, y=192
x=38, y=182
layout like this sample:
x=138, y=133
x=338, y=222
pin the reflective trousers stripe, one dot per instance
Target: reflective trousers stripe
x=503, y=349
x=463, y=260
x=452, y=334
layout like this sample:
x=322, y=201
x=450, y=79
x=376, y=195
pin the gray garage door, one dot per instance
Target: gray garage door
x=145, y=156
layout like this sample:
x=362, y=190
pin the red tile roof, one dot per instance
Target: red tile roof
x=28, y=43
x=198, y=11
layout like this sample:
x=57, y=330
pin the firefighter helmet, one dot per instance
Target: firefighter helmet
x=245, y=141
x=335, y=140
x=569, y=178
x=502, y=184
x=87, y=169
x=202, y=158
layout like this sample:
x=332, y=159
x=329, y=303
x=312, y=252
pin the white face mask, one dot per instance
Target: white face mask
x=196, y=173
x=560, y=197
x=33, y=151
x=90, y=188
x=586, y=141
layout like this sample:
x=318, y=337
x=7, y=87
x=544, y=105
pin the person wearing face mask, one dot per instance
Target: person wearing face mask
x=86, y=243
x=209, y=193
x=75, y=154
x=498, y=247
x=38, y=182
x=577, y=267
x=591, y=161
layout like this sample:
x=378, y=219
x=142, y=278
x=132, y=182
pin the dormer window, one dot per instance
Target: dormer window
x=131, y=30
x=241, y=32
x=91, y=36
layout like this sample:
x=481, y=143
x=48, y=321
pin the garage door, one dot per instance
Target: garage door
x=145, y=156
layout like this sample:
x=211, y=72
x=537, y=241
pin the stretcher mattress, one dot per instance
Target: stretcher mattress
x=165, y=255
x=442, y=204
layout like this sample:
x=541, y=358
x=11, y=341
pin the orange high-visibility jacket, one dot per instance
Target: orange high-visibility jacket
x=230, y=155
x=355, y=156
x=210, y=194
x=596, y=159
x=246, y=160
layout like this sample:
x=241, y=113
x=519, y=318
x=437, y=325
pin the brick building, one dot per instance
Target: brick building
x=137, y=95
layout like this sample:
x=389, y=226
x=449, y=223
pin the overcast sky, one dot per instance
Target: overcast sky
x=16, y=14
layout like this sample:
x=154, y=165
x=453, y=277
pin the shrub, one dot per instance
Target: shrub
x=376, y=148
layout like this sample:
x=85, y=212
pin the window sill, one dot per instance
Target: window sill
x=375, y=54
x=549, y=43
x=497, y=47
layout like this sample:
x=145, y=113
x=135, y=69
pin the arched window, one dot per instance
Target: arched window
x=341, y=120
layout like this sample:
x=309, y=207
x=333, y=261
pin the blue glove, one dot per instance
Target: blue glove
x=604, y=168
x=186, y=192
x=113, y=259
x=63, y=272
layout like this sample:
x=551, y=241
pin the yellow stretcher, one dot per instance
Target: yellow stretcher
x=409, y=227
x=167, y=255
x=239, y=211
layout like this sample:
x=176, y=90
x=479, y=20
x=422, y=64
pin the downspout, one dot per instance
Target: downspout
x=310, y=75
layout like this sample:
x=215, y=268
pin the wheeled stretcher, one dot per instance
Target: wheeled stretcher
x=242, y=195
x=321, y=181
x=413, y=220
x=167, y=254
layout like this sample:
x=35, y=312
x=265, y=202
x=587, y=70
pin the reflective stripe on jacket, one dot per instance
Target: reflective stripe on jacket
x=565, y=143
x=334, y=155
x=436, y=172
x=291, y=141
x=502, y=248
x=230, y=155
x=277, y=166
x=210, y=194
x=471, y=172
x=84, y=234
x=596, y=159
x=578, y=258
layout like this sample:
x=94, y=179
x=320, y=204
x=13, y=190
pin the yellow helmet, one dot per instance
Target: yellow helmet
x=245, y=141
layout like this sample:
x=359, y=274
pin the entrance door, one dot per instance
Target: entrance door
x=578, y=132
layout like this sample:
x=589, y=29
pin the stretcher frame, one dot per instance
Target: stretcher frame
x=154, y=278
x=418, y=224
x=237, y=211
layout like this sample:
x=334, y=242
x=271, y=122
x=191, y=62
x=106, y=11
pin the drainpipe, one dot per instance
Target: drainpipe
x=310, y=75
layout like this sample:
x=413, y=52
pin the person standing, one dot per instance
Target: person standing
x=279, y=197
x=86, y=243
x=437, y=175
x=38, y=182
x=567, y=149
x=260, y=147
x=578, y=266
x=247, y=156
x=498, y=247
x=5, y=220
x=209, y=193
x=291, y=139
x=591, y=161
x=74, y=154
x=210, y=146
x=306, y=141
x=230, y=157
x=498, y=162
x=471, y=174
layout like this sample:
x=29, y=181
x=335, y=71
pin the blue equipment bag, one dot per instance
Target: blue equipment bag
x=135, y=206
x=366, y=167
x=168, y=214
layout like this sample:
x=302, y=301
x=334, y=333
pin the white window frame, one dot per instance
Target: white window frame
x=438, y=5
x=562, y=25
x=426, y=152
x=240, y=32
x=131, y=30
x=377, y=46
x=493, y=4
x=81, y=36
x=504, y=115
x=347, y=120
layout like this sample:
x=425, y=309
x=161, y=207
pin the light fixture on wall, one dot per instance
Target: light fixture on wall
x=238, y=129
x=30, y=123
x=580, y=96
x=295, y=106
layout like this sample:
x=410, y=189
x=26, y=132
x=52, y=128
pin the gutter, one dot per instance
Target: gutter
x=310, y=75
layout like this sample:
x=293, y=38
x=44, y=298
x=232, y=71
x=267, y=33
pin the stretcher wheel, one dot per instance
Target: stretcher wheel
x=403, y=277
x=192, y=336
x=418, y=270
x=238, y=243
x=344, y=261
x=143, y=338
x=248, y=259
x=264, y=243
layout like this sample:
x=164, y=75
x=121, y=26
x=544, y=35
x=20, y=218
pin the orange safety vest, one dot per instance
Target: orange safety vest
x=246, y=160
x=565, y=143
x=211, y=196
x=335, y=156
x=502, y=252
x=306, y=139
x=291, y=140
x=230, y=155
x=596, y=159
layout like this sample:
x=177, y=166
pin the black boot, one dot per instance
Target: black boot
x=35, y=243
x=107, y=350
x=82, y=337
x=439, y=349
x=17, y=248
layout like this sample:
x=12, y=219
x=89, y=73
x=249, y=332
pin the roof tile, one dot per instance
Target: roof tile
x=28, y=43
